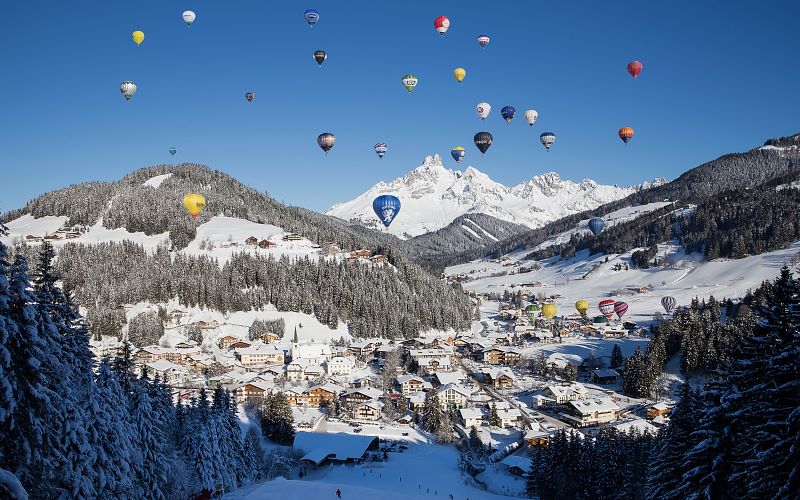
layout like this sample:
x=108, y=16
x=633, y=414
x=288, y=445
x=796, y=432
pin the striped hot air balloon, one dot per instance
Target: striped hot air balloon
x=668, y=303
x=483, y=40
x=380, y=149
x=606, y=307
x=326, y=141
x=620, y=308
x=596, y=225
x=458, y=153
x=533, y=311
x=634, y=68
x=442, y=24
x=626, y=134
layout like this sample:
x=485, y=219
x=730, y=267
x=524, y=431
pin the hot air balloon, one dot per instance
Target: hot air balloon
x=249, y=96
x=530, y=116
x=128, y=88
x=634, y=68
x=320, y=56
x=312, y=16
x=549, y=310
x=380, y=149
x=620, y=308
x=533, y=311
x=194, y=204
x=386, y=207
x=582, y=306
x=172, y=150
x=596, y=225
x=189, y=17
x=457, y=153
x=508, y=113
x=625, y=133
x=483, y=109
x=409, y=82
x=138, y=37
x=547, y=138
x=483, y=40
x=442, y=24
x=606, y=307
x=459, y=73
x=326, y=141
x=483, y=140
x=668, y=303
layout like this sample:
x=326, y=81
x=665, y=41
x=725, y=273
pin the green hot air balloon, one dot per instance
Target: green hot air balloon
x=409, y=82
x=533, y=311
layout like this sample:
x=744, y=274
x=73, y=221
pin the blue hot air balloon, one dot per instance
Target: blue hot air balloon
x=508, y=113
x=386, y=207
x=312, y=16
x=596, y=225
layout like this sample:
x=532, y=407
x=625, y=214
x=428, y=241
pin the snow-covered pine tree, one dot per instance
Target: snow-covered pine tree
x=431, y=412
x=616, y=357
x=154, y=471
x=230, y=435
x=494, y=418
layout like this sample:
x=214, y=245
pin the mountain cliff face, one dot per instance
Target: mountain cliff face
x=433, y=196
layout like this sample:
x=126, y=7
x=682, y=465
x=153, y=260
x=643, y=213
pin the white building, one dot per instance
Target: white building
x=409, y=384
x=340, y=366
x=168, y=371
x=259, y=355
x=313, y=353
x=471, y=417
x=591, y=412
x=453, y=396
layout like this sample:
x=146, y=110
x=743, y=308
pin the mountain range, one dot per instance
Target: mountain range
x=433, y=197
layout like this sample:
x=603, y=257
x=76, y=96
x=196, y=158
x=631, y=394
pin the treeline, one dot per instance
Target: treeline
x=738, y=437
x=70, y=431
x=381, y=301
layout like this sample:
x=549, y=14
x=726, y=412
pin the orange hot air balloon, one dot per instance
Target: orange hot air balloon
x=194, y=204
x=625, y=133
x=634, y=68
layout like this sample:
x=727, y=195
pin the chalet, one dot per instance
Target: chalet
x=206, y=325
x=379, y=259
x=259, y=355
x=416, y=401
x=658, y=410
x=339, y=366
x=291, y=237
x=295, y=370
x=428, y=365
x=315, y=395
x=369, y=412
x=509, y=417
x=186, y=344
x=52, y=237
x=591, y=412
x=318, y=447
x=517, y=465
x=564, y=394
x=410, y=384
x=265, y=244
x=362, y=348
x=148, y=354
x=435, y=353
x=360, y=395
x=313, y=372
x=313, y=353
x=605, y=376
x=443, y=378
x=254, y=392
x=270, y=337
x=385, y=349
x=356, y=254
x=240, y=344
x=226, y=341
x=406, y=419
x=499, y=378
x=168, y=371
x=501, y=356
x=470, y=417
x=453, y=396
x=537, y=436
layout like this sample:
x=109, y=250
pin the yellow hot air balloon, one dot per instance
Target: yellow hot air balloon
x=138, y=37
x=459, y=73
x=582, y=306
x=194, y=203
x=549, y=311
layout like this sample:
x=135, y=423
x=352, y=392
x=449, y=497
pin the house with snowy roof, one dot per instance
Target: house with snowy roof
x=499, y=378
x=318, y=448
x=470, y=417
x=259, y=355
x=169, y=372
x=369, y=411
x=313, y=353
x=410, y=384
x=441, y=378
x=254, y=392
x=340, y=366
x=589, y=412
x=453, y=396
x=360, y=395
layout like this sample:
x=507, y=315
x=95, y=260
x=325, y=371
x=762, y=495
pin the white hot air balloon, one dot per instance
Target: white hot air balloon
x=128, y=88
x=483, y=109
x=530, y=116
x=189, y=17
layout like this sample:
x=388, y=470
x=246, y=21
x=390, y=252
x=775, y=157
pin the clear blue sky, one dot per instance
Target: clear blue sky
x=717, y=78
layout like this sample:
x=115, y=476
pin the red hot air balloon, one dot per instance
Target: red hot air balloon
x=625, y=133
x=606, y=307
x=442, y=24
x=620, y=308
x=634, y=68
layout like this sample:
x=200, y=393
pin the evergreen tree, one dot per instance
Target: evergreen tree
x=154, y=468
x=634, y=382
x=494, y=418
x=431, y=412
x=616, y=357
x=253, y=455
x=277, y=420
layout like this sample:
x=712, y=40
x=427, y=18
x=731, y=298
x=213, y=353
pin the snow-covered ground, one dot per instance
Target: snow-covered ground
x=155, y=182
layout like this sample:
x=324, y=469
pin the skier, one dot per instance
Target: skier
x=338, y=493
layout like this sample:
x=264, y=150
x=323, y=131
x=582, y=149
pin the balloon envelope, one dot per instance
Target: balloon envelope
x=668, y=303
x=634, y=68
x=620, y=308
x=508, y=113
x=128, y=88
x=386, y=207
x=459, y=73
x=442, y=24
x=250, y=96
x=530, y=116
x=311, y=16
x=380, y=149
x=483, y=140
x=325, y=141
x=483, y=109
x=596, y=225
x=582, y=306
x=188, y=17
x=606, y=307
x=320, y=56
x=483, y=40
x=625, y=133
x=533, y=311
x=409, y=82
x=172, y=150
x=547, y=138
x=138, y=37
x=194, y=203
x=458, y=153
x=549, y=311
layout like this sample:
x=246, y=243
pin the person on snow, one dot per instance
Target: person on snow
x=338, y=493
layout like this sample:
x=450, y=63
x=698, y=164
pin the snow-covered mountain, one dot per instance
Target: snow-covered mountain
x=433, y=196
